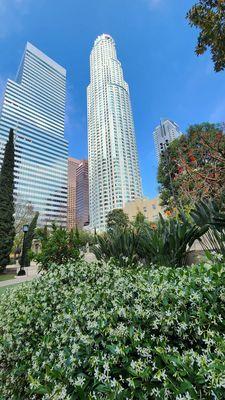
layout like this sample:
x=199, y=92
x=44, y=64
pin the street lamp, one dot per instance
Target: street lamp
x=23, y=255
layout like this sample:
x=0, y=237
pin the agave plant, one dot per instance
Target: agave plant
x=211, y=214
x=119, y=244
x=169, y=242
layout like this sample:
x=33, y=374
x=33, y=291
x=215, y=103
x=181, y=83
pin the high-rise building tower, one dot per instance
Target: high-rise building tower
x=34, y=105
x=82, y=195
x=114, y=176
x=73, y=165
x=78, y=196
x=164, y=134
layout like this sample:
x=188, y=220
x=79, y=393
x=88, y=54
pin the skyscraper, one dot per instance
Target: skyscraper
x=34, y=105
x=78, y=196
x=82, y=195
x=73, y=164
x=114, y=176
x=164, y=134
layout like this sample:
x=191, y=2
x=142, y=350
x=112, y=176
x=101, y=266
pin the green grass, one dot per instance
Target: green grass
x=6, y=277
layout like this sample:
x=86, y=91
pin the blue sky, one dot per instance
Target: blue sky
x=154, y=44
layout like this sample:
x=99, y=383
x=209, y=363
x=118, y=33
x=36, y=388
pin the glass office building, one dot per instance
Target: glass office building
x=82, y=195
x=34, y=106
x=114, y=175
x=164, y=134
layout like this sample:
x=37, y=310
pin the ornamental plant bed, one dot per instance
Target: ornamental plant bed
x=97, y=331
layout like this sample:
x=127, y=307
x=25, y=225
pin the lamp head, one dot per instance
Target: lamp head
x=25, y=228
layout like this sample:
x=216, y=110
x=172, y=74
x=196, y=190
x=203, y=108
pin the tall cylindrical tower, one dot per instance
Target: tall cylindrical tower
x=114, y=175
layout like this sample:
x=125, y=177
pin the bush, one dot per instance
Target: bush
x=169, y=242
x=119, y=244
x=210, y=214
x=165, y=244
x=58, y=246
x=93, y=331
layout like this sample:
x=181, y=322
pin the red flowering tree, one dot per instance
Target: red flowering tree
x=193, y=167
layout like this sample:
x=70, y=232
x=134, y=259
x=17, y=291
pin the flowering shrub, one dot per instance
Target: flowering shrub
x=93, y=331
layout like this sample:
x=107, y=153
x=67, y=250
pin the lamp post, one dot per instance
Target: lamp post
x=23, y=255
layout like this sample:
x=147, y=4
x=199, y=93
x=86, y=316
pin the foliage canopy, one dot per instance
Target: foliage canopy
x=209, y=17
x=58, y=246
x=194, y=167
x=7, y=230
x=117, y=219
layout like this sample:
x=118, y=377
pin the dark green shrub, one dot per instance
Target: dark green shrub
x=117, y=219
x=167, y=244
x=58, y=246
x=119, y=244
x=211, y=215
x=27, y=243
x=7, y=229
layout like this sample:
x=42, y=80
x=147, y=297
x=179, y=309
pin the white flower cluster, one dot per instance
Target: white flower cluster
x=95, y=331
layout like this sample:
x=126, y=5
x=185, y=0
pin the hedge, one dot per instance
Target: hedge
x=96, y=331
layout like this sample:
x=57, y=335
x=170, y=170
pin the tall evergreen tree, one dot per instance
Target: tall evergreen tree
x=117, y=219
x=7, y=230
x=25, y=261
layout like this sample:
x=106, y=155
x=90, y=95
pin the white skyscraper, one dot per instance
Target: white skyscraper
x=114, y=175
x=163, y=134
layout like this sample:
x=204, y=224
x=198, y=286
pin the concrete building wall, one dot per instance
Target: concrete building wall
x=149, y=208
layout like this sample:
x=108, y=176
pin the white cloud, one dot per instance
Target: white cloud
x=153, y=3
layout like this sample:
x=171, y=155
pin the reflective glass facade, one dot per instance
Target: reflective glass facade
x=164, y=134
x=34, y=105
x=82, y=195
x=73, y=165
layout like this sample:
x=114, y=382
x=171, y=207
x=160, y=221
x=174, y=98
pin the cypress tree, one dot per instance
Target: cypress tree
x=7, y=230
x=25, y=261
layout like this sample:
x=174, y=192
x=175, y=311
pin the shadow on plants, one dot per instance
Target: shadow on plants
x=210, y=214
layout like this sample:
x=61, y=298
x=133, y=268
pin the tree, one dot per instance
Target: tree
x=117, y=219
x=27, y=244
x=209, y=17
x=7, y=230
x=139, y=219
x=58, y=246
x=24, y=212
x=193, y=167
x=41, y=234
